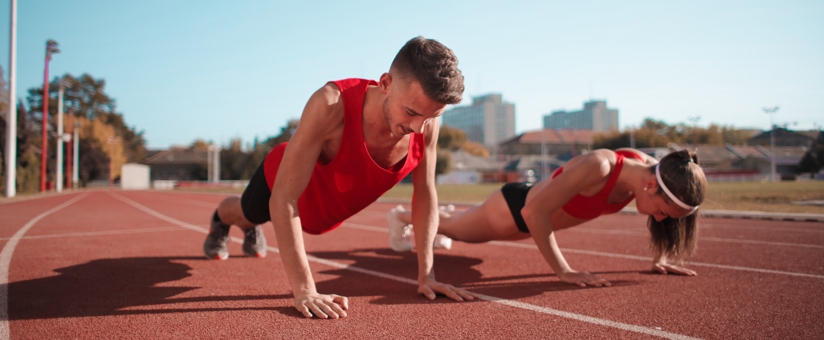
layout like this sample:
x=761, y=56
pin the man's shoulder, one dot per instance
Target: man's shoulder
x=326, y=102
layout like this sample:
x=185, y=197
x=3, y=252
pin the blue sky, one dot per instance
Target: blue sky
x=217, y=70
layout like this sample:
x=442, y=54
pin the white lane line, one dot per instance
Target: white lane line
x=749, y=227
x=5, y=263
x=98, y=233
x=516, y=304
x=613, y=255
x=644, y=258
x=700, y=238
x=182, y=200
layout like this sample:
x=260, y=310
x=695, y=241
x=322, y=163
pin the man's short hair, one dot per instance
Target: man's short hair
x=434, y=66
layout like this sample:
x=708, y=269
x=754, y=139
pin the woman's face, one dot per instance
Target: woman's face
x=656, y=206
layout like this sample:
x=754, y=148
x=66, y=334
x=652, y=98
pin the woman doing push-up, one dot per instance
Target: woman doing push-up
x=589, y=185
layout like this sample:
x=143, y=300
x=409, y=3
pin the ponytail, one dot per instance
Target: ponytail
x=681, y=174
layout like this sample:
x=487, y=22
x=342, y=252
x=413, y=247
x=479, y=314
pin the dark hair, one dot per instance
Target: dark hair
x=434, y=66
x=681, y=174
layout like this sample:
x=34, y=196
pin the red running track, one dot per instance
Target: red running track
x=128, y=264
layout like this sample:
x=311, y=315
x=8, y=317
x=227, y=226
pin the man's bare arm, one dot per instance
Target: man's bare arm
x=322, y=115
x=425, y=220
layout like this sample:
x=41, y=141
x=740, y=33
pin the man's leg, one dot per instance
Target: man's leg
x=247, y=212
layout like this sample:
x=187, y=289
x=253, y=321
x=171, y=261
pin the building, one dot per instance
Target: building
x=488, y=121
x=177, y=164
x=784, y=137
x=595, y=116
x=555, y=142
x=745, y=162
x=539, y=152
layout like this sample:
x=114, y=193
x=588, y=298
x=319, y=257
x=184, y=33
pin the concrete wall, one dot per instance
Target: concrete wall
x=134, y=177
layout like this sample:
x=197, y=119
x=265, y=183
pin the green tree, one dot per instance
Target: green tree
x=28, y=171
x=813, y=159
x=450, y=138
x=285, y=135
x=85, y=97
x=233, y=160
x=443, y=162
x=656, y=133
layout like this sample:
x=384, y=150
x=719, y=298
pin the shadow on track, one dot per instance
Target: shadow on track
x=107, y=286
x=456, y=270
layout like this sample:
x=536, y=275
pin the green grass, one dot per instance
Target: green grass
x=741, y=196
x=744, y=196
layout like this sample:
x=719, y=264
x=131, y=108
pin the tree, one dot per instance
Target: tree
x=28, y=171
x=285, y=135
x=475, y=149
x=200, y=145
x=443, y=162
x=813, y=159
x=657, y=134
x=233, y=161
x=85, y=98
x=450, y=138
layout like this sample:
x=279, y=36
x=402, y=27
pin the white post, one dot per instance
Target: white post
x=543, y=155
x=76, y=156
x=11, y=128
x=58, y=178
x=209, y=163
x=216, y=166
x=770, y=111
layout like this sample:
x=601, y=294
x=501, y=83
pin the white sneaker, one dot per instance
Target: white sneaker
x=442, y=242
x=447, y=209
x=400, y=238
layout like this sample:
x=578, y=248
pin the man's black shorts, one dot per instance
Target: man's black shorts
x=255, y=199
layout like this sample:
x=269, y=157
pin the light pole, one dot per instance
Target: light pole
x=694, y=120
x=76, y=154
x=770, y=111
x=11, y=127
x=58, y=178
x=69, y=148
x=216, y=163
x=51, y=47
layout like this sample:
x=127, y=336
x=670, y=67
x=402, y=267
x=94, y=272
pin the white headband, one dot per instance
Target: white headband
x=671, y=196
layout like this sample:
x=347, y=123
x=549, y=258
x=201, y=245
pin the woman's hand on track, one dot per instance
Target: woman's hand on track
x=665, y=268
x=324, y=306
x=583, y=279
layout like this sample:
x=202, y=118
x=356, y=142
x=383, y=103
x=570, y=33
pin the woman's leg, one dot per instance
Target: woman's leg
x=491, y=220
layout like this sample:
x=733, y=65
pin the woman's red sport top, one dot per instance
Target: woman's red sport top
x=352, y=180
x=589, y=207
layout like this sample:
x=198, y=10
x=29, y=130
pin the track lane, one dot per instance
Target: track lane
x=707, y=306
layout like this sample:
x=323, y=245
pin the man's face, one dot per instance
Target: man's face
x=406, y=107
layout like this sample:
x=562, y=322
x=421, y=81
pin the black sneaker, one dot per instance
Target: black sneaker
x=215, y=245
x=254, y=243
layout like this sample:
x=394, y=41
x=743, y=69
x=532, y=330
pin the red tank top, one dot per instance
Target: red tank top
x=352, y=180
x=589, y=207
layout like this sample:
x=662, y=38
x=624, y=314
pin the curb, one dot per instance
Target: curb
x=750, y=215
x=729, y=214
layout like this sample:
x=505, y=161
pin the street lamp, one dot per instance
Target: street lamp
x=76, y=153
x=11, y=122
x=213, y=163
x=770, y=111
x=61, y=138
x=694, y=120
x=51, y=47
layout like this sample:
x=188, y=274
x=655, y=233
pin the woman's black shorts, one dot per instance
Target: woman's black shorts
x=515, y=197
